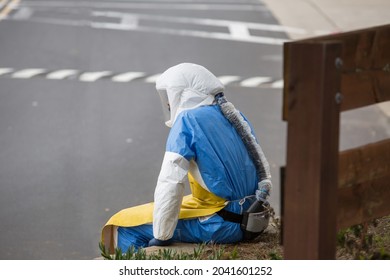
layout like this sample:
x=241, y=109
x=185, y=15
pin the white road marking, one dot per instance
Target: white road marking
x=169, y=31
x=127, y=21
x=61, y=74
x=111, y=25
x=152, y=79
x=128, y=76
x=255, y=81
x=144, y=6
x=66, y=22
x=213, y=35
x=203, y=21
x=228, y=79
x=130, y=20
x=239, y=31
x=28, y=73
x=277, y=84
x=93, y=76
x=6, y=71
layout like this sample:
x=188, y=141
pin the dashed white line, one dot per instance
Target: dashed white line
x=255, y=81
x=28, y=73
x=128, y=76
x=130, y=20
x=6, y=71
x=93, y=76
x=228, y=79
x=61, y=74
x=277, y=84
x=152, y=79
x=239, y=31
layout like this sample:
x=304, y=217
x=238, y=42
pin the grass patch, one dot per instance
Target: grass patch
x=201, y=252
x=365, y=241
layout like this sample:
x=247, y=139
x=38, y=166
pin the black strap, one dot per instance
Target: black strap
x=230, y=216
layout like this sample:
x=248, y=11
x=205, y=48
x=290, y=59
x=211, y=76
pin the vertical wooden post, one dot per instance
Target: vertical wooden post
x=310, y=202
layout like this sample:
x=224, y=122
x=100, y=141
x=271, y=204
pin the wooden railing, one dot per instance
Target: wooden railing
x=325, y=190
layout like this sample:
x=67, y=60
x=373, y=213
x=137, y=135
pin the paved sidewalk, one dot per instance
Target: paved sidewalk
x=319, y=17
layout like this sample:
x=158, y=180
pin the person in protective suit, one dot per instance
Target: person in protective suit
x=212, y=146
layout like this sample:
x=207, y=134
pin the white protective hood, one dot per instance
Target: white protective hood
x=186, y=86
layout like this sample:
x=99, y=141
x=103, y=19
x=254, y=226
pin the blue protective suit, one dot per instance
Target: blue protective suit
x=203, y=143
x=204, y=136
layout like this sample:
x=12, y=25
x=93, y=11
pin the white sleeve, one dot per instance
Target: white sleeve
x=168, y=195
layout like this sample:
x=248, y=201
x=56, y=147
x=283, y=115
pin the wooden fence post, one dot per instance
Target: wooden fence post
x=310, y=209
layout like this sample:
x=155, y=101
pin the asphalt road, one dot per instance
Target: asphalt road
x=81, y=130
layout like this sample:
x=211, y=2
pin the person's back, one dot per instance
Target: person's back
x=212, y=146
x=205, y=137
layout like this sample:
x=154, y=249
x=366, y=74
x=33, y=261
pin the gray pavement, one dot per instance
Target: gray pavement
x=81, y=128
